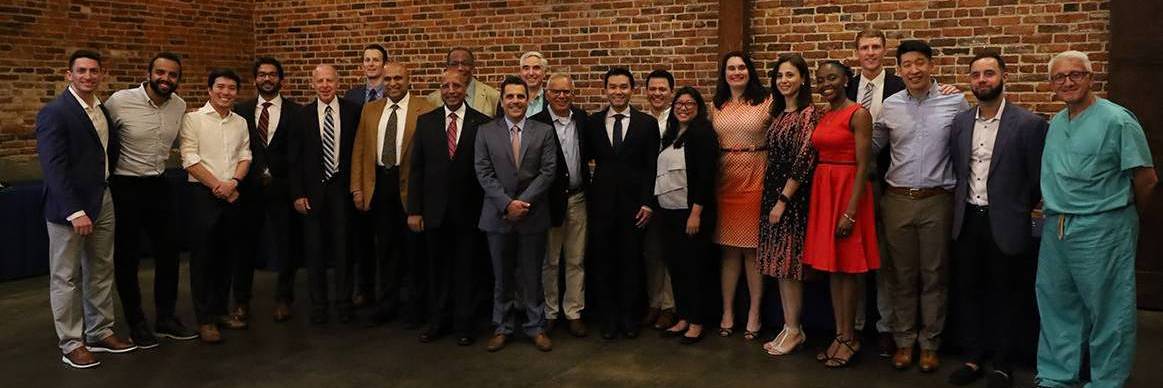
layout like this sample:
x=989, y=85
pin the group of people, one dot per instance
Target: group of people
x=400, y=194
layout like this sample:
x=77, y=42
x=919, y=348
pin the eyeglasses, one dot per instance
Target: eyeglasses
x=686, y=104
x=267, y=75
x=560, y=92
x=1075, y=77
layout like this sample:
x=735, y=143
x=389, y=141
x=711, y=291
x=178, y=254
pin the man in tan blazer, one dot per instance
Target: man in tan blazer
x=379, y=184
x=479, y=96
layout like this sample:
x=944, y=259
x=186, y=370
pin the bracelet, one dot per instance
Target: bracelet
x=845, y=215
x=783, y=198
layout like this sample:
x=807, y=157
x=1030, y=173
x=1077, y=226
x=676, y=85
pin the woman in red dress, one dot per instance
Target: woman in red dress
x=841, y=236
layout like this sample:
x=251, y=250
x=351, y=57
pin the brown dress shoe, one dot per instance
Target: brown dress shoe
x=209, y=334
x=929, y=361
x=543, y=343
x=241, y=312
x=577, y=328
x=231, y=322
x=282, y=312
x=111, y=344
x=665, y=320
x=497, y=342
x=80, y=358
x=903, y=358
x=651, y=316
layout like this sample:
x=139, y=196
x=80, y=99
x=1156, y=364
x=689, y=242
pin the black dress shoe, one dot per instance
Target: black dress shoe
x=1000, y=379
x=318, y=317
x=464, y=341
x=609, y=336
x=690, y=340
x=631, y=333
x=430, y=334
x=965, y=375
x=142, y=336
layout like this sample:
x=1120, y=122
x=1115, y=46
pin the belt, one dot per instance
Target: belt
x=571, y=192
x=971, y=208
x=917, y=193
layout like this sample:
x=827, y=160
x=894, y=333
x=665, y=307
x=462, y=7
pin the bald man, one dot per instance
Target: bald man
x=320, y=180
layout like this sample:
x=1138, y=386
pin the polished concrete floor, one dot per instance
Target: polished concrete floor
x=294, y=354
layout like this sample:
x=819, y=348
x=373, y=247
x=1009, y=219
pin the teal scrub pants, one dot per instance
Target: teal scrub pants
x=1086, y=296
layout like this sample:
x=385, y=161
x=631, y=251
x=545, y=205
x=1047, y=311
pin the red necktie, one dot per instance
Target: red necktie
x=264, y=120
x=451, y=135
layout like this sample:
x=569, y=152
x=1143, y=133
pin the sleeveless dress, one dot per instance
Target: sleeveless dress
x=741, y=127
x=832, y=184
x=789, y=156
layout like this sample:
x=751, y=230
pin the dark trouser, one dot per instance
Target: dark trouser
x=688, y=260
x=517, y=260
x=215, y=247
x=617, y=261
x=270, y=206
x=142, y=204
x=361, y=239
x=387, y=213
x=450, y=266
x=325, y=237
x=986, y=289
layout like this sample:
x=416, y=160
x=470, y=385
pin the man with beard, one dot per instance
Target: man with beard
x=266, y=201
x=147, y=119
x=1097, y=177
x=996, y=151
x=659, y=93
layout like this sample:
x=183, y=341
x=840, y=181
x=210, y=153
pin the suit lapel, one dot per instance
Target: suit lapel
x=79, y=112
x=965, y=143
x=409, y=128
x=1004, y=133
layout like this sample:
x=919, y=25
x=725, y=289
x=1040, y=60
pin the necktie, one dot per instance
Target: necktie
x=328, y=144
x=618, y=130
x=515, y=138
x=372, y=95
x=264, y=120
x=866, y=100
x=451, y=135
x=388, y=156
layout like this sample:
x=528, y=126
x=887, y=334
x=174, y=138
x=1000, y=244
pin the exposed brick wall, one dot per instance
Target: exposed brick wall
x=1027, y=33
x=582, y=37
x=40, y=35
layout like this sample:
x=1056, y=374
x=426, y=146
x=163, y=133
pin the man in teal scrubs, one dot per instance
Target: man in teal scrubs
x=1095, y=166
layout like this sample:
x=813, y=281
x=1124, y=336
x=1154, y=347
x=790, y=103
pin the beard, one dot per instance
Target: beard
x=268, y=87
x=989, y=94
x=156, y=87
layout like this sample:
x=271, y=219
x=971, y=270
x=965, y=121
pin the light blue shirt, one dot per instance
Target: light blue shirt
x=918, y=131
x=536, y=104
x=567, y=133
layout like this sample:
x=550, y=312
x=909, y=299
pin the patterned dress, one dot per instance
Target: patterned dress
x=789, y=156
x=741, y=128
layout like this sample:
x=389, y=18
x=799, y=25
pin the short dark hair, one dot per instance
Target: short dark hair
x=373, y=46
x=989, y=54
x=165, y=55
x=804, y=97
x=471, y=57
x=661, y=73
x=268, y=61
x=618, y=71
x=220, y=73
x=513, y=80
x=918, y=46
x=84, y=53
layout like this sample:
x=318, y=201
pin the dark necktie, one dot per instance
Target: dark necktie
x=388, y=156
x=372, y=95
x=618, y=131
x=264, y=121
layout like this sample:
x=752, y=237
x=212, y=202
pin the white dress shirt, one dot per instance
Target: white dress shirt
x=567, y=132
x=146, y=130
x=610, y=123
x=459, y=120
x=401, y=119
x=981, y=154
x=877, y=93
x=97, y=117
x=275, y=111
x=662, y=118
x=218, y=143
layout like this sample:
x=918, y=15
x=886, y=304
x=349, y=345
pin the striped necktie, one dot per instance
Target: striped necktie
x=866, y=100
x=329, y=159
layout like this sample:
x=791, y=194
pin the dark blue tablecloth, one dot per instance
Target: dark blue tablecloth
x=23, y=236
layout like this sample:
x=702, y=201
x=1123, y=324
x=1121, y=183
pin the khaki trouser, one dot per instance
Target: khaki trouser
x=570, y=239
x=81, y=280
x=918, y=232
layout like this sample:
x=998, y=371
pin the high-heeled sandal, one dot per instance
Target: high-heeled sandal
x=853, y=346
x=726, y=331
x=777, y=346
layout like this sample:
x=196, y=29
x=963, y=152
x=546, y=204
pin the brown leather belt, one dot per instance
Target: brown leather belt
x=917, y=193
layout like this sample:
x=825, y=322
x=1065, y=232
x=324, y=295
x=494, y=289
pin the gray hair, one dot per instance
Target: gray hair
x=1070, y=54
x=544, y=62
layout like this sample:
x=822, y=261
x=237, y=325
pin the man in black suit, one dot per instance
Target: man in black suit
x=624, y=146
x=996, y=152
x=444, y=202
x=375, y=59
x=321, y=164
x=567, y=207
x=271, y=120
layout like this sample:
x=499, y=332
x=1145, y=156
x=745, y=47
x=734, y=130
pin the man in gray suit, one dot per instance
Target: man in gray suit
x=996, y=152
x=516, y=160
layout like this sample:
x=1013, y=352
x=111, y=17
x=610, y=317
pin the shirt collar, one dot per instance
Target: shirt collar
x=277, y=102
x=995, y=117
x=559, y=119
x=334, y=104
x=879, y=79
x=459, y=111
x=208, y=110
x=379, y=90
x=85, y=104
x=933, y=90
x=610, y=112
x=520, y=124
x=403, y=101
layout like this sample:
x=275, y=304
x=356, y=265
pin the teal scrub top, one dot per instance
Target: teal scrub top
x=1087, y=162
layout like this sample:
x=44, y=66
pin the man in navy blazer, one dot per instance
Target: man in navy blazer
x=996, y=152
x=77, y=149
x=516, y=160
